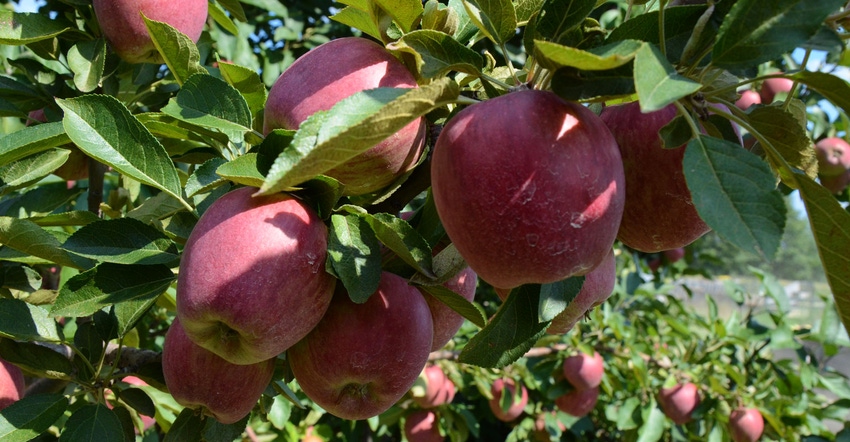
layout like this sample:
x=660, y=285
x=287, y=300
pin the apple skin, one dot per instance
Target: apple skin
x=447, y=321
x=362, y=358
x=659, y=213
x=674, y=255
x=331, y=72
x=11, y=384
x=746, y=425
x=439, y=389
x=200, y=379
x=578, y=403
x=836, y=184
x=748, y=98
x=679, y=402
x=422, y=426
x=76, y=167
x=597, y=288
x=833, y=155
x=252, y=277
x=584, y=371
x=499, y=387
x=529, y=188
x=122, y=24
x=772, y=87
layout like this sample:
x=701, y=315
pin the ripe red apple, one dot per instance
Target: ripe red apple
x=674, y=255
x=199, y=379
x=501, y=387
x=772, y=87
x=748, y=98
x=11, y=384
x=76, y=167
x=252, y=277
x=659, y=213
x=362, y=358
x=597, y=287
x=333, y=71
x=833, y=155
x=447, y=321
x=529, y=188
x=679, y=402
x=122, y=24
x=746, y=425
x=422, y=426
x=578, y=403
x=584, y=371
x=439, y=389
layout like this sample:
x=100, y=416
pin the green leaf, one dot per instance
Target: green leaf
x=787, y=136
x=554, y=56
x=26, y=322
x=495, y=18
x=122, y=241
x=756, y=31
x=37, y=359
x=87, y=60
x=588, y=85
x=209, y=102
x=32, y=168
x=27, y=237
x=352, y=126
x=109, y=284
x=30, y=416
x=525, y=9
x=555, y=297
x=833, y=88
x=138, y=399
x=235, y=8
x=658, y=83
x=512, y=331
x=653, y=426
x=105, y=130
x=215, y=431
x=405, y=13
x=17, y=29
x=248, y=83
x=205, y=177
x=399, y=236
x=354, y=254
x=735, y=193
x=188, y=427
x=72, y=218
x=178, y=50
x=679, y=25
x=358, y=19
x=558, y=17
x=31, y=140
x=242, y=170
x=220, y=16
x=437, y=53
x=457, y=303
x=92, y=422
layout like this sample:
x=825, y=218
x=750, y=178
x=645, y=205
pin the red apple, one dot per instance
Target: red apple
x=598, y=286
x=447, y=321
x=501, y=387
x=746, y=425
x=199, y=379
x=439, y=389
x=836, y=184
x=422, y=426
x=76, y=167
x=772, y=87
x=252, y=277
x=11, y=384
x=679, y=402
x=122, y=24
x=674, y=255
x=331, y=72
x=584, y=371
x=578, y=403
x=659, y=213
x=362, y=358
x=833, y=155
x=748, y=98
x=529, y=188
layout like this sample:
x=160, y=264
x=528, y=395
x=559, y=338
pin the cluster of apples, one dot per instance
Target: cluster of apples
x=423, y=424
x=584, y=372
x=679, y=402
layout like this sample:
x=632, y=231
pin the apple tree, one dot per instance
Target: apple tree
x=371, y=220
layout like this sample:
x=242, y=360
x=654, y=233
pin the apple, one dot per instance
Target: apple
x=310, y=436
x=584, y=371
x=362, y=358
x=679, y=402
x=746, y=425
x=122, y=24
x=659, y=213
x=748, y=98
x=439, y=389
x=11, y=384
x=252, y=278
x=447, y=321
x=422, y=426
x=200, y=379
x=598, y=286
x=331, y=72
x=833, y=155
x=772, y=87
x=76, y=167
x=529, y=188
x=498, y=389
x=674, y=255
x=836, y=184
x=578, y=403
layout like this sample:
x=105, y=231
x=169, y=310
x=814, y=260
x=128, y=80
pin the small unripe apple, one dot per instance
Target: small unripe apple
x=11, y=384
x=422, y=426
x=502, y=387
x=772, y=87
x=122, y=24
x=596, y=289
x=679, y=402
x=334, y=71
x=584, y=371
x=748, y=98
x=529, y=188
x=746, y=425
x=200, y=379
x=439, y=389
x=833, y=155
x=578, y=403
x=362, y=358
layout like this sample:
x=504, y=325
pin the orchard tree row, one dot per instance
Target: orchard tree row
x=227, y=220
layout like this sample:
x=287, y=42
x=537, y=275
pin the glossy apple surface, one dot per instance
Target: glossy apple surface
x=584, y=371
x=11, y=384
x=422, y=426
x=748, y=98
x=772, y=87
x=746, y=425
